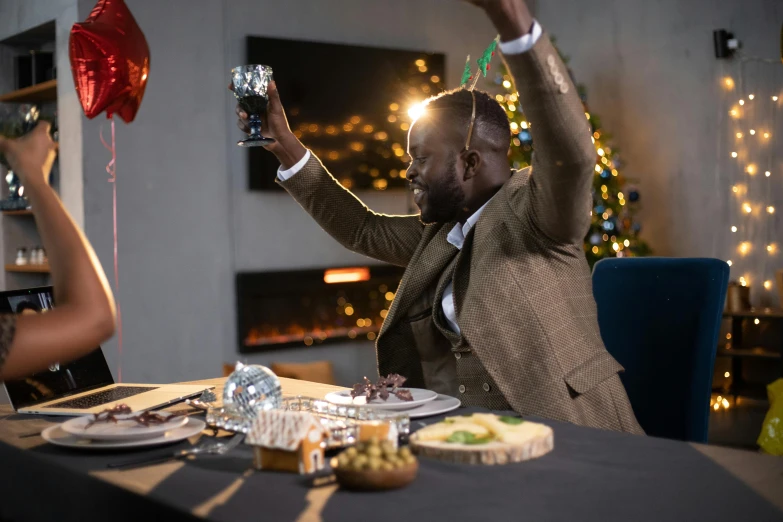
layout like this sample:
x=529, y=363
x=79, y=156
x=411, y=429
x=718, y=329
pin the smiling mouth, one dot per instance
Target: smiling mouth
x=418, y=195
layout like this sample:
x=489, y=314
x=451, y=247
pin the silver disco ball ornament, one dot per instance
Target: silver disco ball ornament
x=251, y=388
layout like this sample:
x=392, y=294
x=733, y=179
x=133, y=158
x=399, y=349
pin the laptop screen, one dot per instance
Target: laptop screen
x=60, y=380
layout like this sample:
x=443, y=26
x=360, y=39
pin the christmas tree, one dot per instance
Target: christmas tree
x=614, y=231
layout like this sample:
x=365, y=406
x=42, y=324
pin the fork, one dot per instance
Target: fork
x=207, y=447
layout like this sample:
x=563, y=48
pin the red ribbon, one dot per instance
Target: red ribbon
x=111, y=169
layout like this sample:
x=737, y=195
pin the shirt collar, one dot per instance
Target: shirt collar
x=458, y=234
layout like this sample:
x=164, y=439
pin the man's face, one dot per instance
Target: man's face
x=433, y=174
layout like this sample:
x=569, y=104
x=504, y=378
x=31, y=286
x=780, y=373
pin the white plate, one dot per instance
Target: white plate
x=124, y=429
x=443, y=404
x=420, y=396
x=55, y=435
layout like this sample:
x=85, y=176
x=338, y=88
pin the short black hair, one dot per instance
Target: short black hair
x=455, y=107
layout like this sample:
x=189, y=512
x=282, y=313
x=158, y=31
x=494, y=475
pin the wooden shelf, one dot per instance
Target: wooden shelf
x=25, y=212
x=753, y=353
x=30, y=269
x=42, y=92
x=761, y=313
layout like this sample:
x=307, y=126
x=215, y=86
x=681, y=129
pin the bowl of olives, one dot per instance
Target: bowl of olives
x=373, y=466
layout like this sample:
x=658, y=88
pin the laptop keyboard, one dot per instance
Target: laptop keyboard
x=96, y=399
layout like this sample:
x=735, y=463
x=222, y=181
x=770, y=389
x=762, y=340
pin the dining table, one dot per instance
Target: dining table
x=591, y=474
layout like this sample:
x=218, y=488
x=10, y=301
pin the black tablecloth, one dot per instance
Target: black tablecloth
x=591, y=475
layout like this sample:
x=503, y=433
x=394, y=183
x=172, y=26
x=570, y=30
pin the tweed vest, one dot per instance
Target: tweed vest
x=474, y=386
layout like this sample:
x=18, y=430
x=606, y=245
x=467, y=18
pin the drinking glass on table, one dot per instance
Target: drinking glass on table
x=250, y=84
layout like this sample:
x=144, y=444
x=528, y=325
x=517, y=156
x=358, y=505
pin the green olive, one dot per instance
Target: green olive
x=374, y=464
x=387, y=466
x=405, y=451
x=350, y=452
x=374, y=451
x=410, y=459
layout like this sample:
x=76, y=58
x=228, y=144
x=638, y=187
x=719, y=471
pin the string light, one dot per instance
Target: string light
x=727, y=375
x=752, y=132
x=774, y=98
x=772, y=248
x=768, y=285
x=506, y=84
x=742, y=102
x=770, y=209
x=747, y=208
x=767, y=173
x=600, y=152
x=733, y=229
x=739, y=135
x=750, y=96
x=744, y=247
x=751, y=169
x=729, y=263
x=728, y=82
x=756, y=321
x=733, y=154
x=766, y=135
x=743, y=281
x=734, y=112
x=524, y=125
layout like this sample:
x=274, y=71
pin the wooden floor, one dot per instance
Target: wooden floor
x=739, y=426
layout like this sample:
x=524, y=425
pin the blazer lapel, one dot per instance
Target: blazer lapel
x=423, y=270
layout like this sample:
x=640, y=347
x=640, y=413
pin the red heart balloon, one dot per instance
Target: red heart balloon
x=110, y=61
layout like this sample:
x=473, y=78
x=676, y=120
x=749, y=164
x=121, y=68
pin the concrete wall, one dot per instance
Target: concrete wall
x=187, y=222
x=652, y=77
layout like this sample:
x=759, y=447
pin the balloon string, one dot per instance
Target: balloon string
x=111, y=169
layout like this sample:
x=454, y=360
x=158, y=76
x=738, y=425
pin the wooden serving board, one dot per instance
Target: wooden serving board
x=489, y=454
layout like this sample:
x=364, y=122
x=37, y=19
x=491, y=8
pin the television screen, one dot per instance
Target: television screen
x=348, y=104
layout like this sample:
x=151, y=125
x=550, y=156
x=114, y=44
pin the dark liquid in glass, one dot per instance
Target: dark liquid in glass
x=254, y=105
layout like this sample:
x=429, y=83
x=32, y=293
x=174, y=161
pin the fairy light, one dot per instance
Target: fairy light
x=742, y=102
x=598, y=169
x=772, y=248
x=774, y=98
x=743, y=281
x=739, y=135
x=506, y=84
x=524, y=125
x=750, y=96
x=744, y=248
x=767, y=285
x=752, y=132
x=767, y=173
x=770, y=209
x=728, y=82
x=733, y=229
x=600, y=152
x=747, y=208
x=766, y=135
x=733, y=154
x=727, y=375
x=729, y=263
x=756, y=321
x=751, y=169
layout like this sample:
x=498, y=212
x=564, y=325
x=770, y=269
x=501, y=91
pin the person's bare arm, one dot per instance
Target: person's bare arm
x=84, y=316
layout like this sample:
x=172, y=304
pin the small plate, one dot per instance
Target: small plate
x=420, y=396
x=123, y=429
x=55, y=435
x=442, y=404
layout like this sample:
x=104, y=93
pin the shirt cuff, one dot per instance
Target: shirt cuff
x=283, y=175
x=524, y=43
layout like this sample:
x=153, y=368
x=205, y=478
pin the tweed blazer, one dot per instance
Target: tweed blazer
x=522, y=286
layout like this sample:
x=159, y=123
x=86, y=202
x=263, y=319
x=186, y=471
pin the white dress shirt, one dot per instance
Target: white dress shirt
x=457, y=235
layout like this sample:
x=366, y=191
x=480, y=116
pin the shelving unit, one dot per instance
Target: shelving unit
x=738, y=352
x=27, y=269
x=17, y=230
x=40, y=93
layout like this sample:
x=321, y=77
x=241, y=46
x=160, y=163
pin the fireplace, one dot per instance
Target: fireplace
x=312, y=307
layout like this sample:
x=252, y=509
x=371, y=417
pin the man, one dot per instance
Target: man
x=496, y=304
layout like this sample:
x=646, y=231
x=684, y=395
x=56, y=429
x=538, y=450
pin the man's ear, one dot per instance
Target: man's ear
x=471, y=160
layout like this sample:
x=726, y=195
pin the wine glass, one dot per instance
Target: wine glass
x=16, y=120
x=250, y=84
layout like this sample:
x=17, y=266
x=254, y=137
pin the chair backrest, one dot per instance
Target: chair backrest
x=660, y=318
x=316, y=371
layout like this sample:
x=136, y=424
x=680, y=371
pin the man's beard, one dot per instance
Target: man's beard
x=444, y=200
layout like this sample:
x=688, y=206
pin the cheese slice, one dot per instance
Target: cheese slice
x=443, y=430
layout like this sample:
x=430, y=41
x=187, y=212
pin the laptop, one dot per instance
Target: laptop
x=82, y=386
